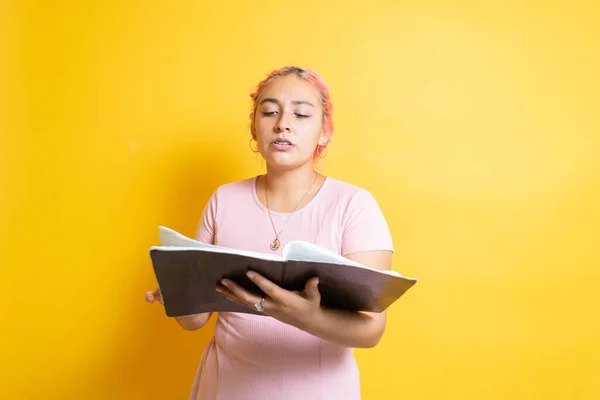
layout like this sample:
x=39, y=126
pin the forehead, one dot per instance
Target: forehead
x=291, y=88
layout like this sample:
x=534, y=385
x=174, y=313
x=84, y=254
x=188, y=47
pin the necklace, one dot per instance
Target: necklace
x=275, y=244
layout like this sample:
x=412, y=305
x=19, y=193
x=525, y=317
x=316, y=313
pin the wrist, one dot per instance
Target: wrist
x=311, y=321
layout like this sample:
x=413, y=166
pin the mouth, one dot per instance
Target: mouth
x=282, y=141
x=282, y=144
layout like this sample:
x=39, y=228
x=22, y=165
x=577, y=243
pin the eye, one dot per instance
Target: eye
x=302, y=116
x=269, y=113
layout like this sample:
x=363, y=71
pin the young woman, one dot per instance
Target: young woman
x=299, y=350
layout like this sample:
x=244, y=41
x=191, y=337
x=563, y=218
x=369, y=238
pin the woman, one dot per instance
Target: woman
x=300, y=351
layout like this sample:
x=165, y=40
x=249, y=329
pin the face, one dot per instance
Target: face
x=288, y=122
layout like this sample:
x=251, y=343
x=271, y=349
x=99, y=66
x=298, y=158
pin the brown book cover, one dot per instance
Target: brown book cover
x=188, y=272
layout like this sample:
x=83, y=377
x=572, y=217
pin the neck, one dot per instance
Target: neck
x=286, y=188
x=287, y=182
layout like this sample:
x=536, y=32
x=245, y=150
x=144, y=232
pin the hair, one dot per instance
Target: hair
x=310, y=76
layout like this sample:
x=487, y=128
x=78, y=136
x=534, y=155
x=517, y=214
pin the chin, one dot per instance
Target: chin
x=285, y=161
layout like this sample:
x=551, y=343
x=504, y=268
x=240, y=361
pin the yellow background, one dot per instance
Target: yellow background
x=475, y=125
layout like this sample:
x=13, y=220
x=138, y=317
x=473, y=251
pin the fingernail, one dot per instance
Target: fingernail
x=225, y=282
x=218, y=289
x=250, y=274
x=316, y=282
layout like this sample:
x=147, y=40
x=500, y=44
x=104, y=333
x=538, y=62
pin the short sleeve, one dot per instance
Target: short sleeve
x=365, y=228
x=206, y=231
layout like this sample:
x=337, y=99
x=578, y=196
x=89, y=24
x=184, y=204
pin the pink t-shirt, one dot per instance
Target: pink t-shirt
x=258, y=357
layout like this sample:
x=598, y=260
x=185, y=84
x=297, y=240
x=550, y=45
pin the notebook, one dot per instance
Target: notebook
x=188, y=271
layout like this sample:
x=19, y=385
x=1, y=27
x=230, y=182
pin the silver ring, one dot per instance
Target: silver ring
x=260, y=306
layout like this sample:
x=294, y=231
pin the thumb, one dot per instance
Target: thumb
x=150, y=297
x=153, y=296
x=312, y=290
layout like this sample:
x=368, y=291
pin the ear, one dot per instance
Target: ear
x=324, y=139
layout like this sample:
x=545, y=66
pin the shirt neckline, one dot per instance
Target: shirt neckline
x=306, y=206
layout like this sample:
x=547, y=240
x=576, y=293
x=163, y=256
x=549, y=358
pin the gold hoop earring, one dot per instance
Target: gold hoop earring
x=321, y=155
x=250, y=145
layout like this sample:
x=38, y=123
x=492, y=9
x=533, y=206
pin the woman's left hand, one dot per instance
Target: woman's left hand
x=292, y=308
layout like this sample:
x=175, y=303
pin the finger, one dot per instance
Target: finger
x=150, y=296
x=153, y=296
x=273, y=291
x=225, y=291
x=240, y=293
x=229, y=295
x=311, y=290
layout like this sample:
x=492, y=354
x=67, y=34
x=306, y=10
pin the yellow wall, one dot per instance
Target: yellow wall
x=476, y=127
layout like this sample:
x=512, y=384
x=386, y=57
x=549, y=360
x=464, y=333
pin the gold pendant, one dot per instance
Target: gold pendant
x=275, y=245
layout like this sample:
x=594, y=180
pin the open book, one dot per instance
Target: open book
x=188, y=272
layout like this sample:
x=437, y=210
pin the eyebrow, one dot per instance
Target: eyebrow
x=295, y=102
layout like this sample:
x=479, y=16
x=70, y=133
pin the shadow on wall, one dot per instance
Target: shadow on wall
x=152, y=353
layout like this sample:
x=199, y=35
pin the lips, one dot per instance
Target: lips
x=282, y=141
x=282, y=144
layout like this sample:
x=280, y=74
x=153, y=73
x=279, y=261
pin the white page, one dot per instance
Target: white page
x=305, y=251
x=295, y=250
x=172, y=240
x=169, y=237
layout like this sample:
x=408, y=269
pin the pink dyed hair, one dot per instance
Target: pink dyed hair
x=310, y=76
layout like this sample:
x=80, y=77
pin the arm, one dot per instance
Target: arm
x=205, y=233
x=193, y=322
x=189, y=322
x=352, y=329
x=303, y=310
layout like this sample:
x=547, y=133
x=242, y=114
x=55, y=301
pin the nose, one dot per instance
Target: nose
x=282, y=124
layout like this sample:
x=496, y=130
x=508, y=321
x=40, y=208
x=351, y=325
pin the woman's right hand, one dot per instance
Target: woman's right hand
x=188, y=322
x=153, y=296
